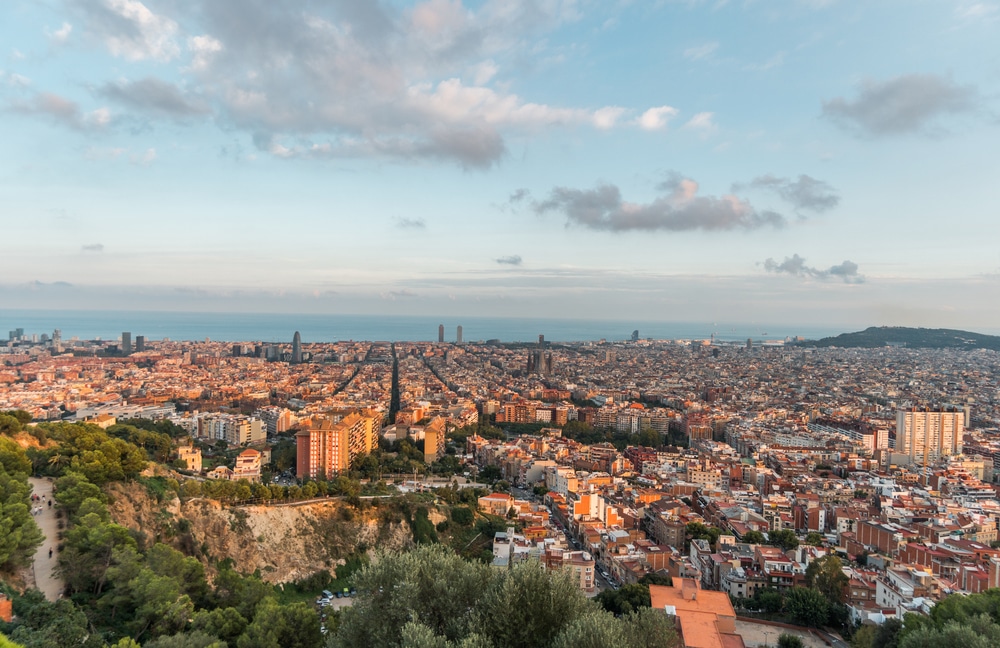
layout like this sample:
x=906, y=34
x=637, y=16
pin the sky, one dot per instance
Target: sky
x=820, y=162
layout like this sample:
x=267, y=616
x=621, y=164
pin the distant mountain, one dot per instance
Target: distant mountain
x=915, y=338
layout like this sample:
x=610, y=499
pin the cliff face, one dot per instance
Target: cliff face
x=286, y=543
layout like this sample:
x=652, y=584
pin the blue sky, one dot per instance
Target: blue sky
x=813, y=161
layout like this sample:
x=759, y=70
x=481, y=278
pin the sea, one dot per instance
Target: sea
x=280, y=327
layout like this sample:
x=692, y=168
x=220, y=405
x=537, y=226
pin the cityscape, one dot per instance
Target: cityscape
x=499, y=324
x=731, y=467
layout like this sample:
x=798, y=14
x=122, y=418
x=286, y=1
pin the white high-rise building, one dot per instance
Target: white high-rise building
x=928, y=435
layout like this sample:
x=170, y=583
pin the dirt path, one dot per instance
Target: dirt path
x=45, y=562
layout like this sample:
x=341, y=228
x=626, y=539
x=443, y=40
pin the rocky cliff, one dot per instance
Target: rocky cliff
x=285, y=543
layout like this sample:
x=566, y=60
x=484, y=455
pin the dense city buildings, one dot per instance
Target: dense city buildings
x=885, y=458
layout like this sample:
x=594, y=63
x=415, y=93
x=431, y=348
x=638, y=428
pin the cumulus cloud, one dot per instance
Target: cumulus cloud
x=93, y=247
x=803, y=193
x=904, y=104
x=680, y=209
x=411, y=223
x=796, y=266
x=156, y=97
x=350, y=78
x=513, y=260
x=656, y=118
x=63, y=111
x=130, y=30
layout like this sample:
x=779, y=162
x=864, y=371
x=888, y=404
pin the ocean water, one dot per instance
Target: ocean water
x=279, y=327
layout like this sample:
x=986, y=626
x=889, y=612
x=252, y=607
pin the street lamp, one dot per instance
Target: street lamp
x=767, y=635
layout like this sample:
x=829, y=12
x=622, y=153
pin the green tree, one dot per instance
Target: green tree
x=45, y=625
x=13, y=459
x=784, y=538
x=243, y=593
x=429, y=583
x=826, y=575
x=814, y=539
x=528, y=607
x=89, y=548
x=225, y=623
x=649, y=628
x=592, y=630
x=786, y=640
x=417, y=635
x=19, y=535
x=282, y=626
x=806, y=606
x=629, y=598
x=753, y=537
x=462, y=515
x=952, y=635
x=193, y=639
x=72, y=489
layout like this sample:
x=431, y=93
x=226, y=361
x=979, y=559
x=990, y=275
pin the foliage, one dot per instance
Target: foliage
x=814, y=539
x=19, y=535
x=462, y=515
x=784, y=538
x=430, y=583
x=700, y=531
x=282, y=626
x=826, y=575
x=754, y=537
x=527, y=606
x=42, y=624
x=806, y=606
x=629, y=598
x=789, y=641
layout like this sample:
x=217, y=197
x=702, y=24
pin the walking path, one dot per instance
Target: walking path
x=45, y=558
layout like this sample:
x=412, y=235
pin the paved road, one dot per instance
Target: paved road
x=45, y=564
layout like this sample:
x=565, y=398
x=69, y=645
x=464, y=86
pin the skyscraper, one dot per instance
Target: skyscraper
x=57, y=341
x=458, y=335
x=140, y=343
x=635, y=335
x=541, y=339
x=296, y=348
x=923, y=435
x=126, y=343
x=440, y=332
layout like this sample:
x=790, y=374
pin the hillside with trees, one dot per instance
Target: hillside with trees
x=915, y=338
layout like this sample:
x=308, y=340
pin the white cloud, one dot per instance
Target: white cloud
x=656, y=118
x=699, y=52
x=703, y=122
x=607, y=118
x=202, y=49
x=484, y=72
x=131, y=31
x=60, y=35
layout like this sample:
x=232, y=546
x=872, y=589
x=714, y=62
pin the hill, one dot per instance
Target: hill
x=915, y=338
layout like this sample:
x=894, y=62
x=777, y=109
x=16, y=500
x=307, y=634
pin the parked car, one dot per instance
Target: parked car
x=327, y=593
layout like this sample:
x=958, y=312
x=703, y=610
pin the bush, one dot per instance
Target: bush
x=789, y=641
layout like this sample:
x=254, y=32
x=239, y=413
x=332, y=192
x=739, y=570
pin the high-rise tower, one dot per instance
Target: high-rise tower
x=126, y=343
x=140, y=343
x=458, y=335
x=296, y=348
x=440, y=332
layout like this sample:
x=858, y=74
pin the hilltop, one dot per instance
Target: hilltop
x=916, y=338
